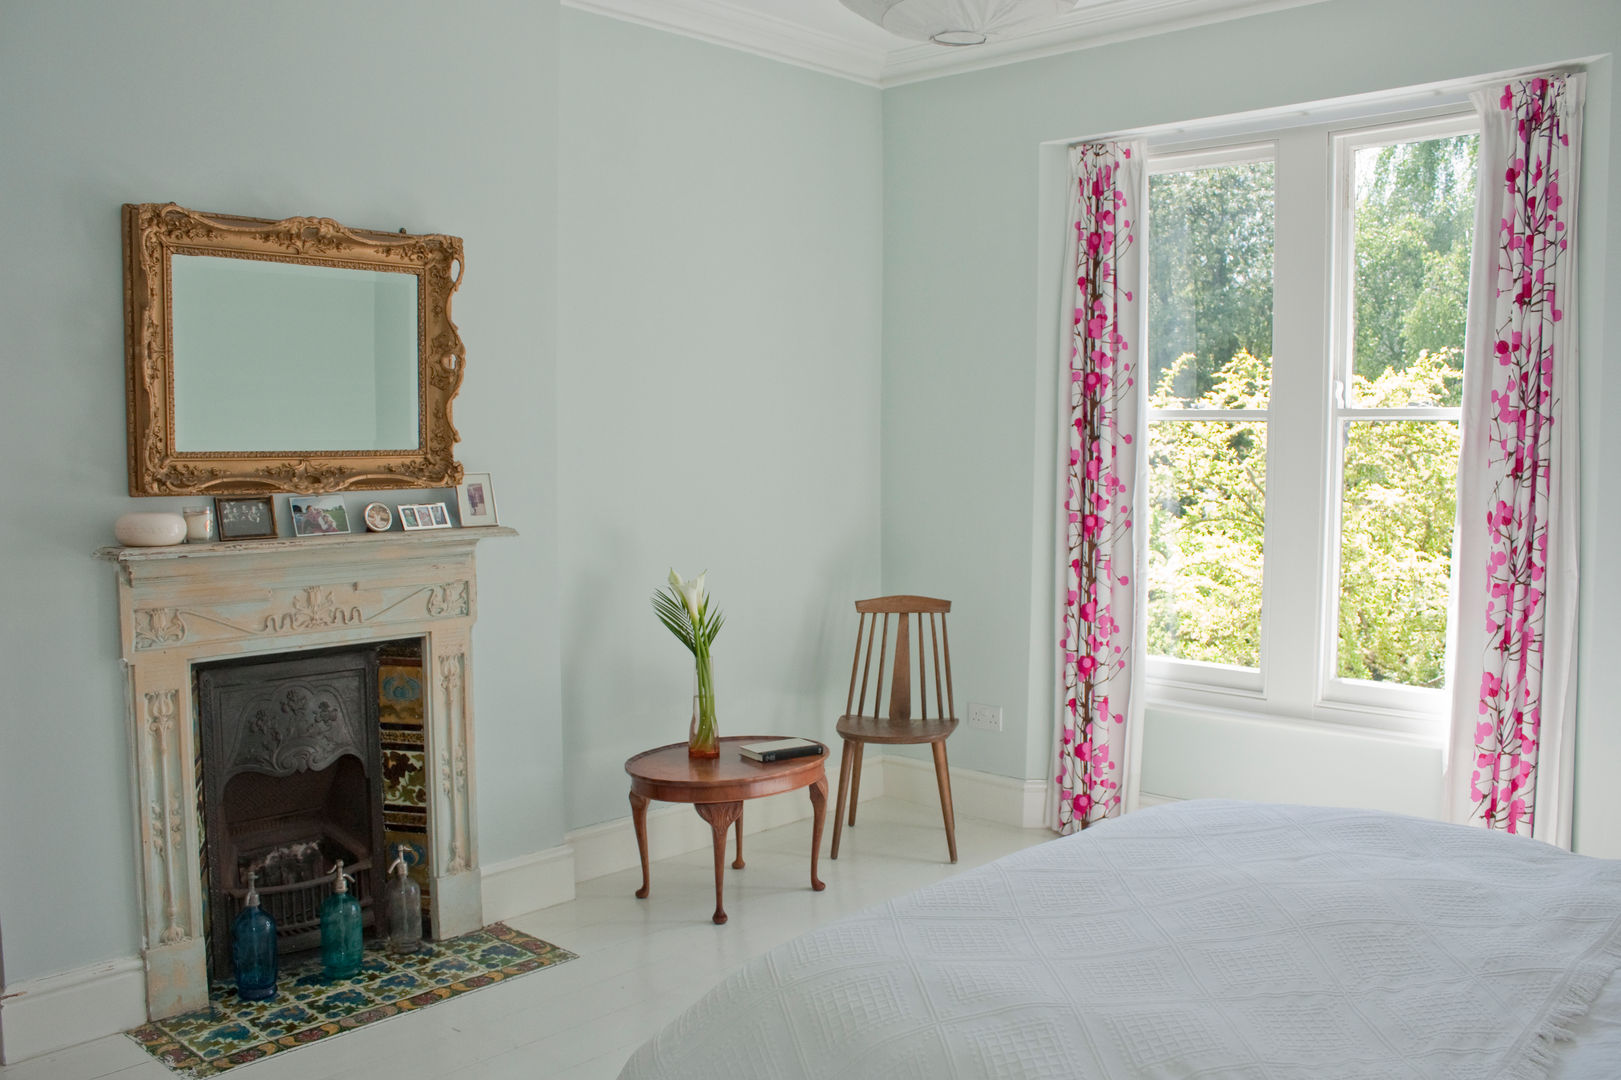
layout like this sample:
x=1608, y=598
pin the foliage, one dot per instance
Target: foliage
x=1208, y=499
x=1210, y=282
x=1207, y=494
x=1400, y=498
x=1414, y=224
x=1210, y=340
x=683, y=607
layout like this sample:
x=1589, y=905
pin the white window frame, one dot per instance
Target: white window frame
x=1364, y=693
x=1312, y=334
x=1190, y=676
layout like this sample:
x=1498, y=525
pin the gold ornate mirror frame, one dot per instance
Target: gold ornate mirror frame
x=153, y=232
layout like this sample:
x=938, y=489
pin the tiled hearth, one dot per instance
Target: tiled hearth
x=188, y=605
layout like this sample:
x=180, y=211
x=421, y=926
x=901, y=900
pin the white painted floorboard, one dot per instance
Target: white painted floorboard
x=641, y=961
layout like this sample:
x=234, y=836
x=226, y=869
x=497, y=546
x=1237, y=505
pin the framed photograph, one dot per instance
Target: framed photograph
x=475, y=498
x=424, y=516
x=318, y=515
x=379, y=518
x=247, y=518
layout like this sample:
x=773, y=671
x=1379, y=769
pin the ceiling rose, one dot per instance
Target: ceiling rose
x=956, y=22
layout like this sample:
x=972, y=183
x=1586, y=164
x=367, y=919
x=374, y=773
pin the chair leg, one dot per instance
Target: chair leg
x=844, y=790
x=855, y=782
x=942, y=775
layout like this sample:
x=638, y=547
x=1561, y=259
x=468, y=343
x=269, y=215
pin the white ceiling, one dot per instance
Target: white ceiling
x=827, y=36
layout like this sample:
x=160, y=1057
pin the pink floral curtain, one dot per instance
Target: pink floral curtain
x=1512, y=744
x=1104, y=330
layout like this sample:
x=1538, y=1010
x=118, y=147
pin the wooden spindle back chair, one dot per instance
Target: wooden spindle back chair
x=905, y=635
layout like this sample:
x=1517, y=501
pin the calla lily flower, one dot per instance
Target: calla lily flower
x=691, y=590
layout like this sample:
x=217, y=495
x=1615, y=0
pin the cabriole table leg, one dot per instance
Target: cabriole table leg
x=638, y=815
x=818, y=797
x=720, y=817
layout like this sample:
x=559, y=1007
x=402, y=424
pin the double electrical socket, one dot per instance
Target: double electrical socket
x=985, y=717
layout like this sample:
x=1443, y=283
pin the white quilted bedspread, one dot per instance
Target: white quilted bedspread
x=1205, y=939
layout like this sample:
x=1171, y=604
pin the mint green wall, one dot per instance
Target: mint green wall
x=721, y=240
x=379, y=113
x=965, y=378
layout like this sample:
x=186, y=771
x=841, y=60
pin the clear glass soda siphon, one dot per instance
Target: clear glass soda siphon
x=402, y=908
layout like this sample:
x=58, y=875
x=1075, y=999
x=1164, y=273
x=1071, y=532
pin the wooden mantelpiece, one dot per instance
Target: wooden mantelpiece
x=184, y=605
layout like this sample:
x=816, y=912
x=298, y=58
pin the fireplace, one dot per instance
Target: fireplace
x=185, y=609
x=292, y=782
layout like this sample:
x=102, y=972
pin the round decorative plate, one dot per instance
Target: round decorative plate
x=379, y=518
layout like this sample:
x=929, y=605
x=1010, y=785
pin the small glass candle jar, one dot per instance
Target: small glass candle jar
x=199, y=524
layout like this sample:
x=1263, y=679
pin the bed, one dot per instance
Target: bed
x=1200, y=939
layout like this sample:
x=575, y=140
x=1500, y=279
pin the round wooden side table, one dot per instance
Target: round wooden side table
x=717, y=788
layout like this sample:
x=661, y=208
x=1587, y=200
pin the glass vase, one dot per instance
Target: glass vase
x=703, y=738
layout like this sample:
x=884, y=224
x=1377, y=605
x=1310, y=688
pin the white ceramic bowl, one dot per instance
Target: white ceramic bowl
x=150, y=529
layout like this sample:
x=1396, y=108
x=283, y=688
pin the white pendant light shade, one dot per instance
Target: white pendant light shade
x=956, y=22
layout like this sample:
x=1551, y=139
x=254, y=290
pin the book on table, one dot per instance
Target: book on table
x=780, y=749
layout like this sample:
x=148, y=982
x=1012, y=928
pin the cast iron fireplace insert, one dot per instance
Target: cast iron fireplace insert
x=292, y=782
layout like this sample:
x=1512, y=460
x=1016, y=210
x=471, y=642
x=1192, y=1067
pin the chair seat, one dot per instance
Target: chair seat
x=881, y=729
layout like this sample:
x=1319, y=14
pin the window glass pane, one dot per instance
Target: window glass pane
x=1207, y=487
x=1415, y=214
x=1210, y=278
x=1396, y=549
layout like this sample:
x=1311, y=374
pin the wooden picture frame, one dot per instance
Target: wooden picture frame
x=154, y=233
x=249, y=518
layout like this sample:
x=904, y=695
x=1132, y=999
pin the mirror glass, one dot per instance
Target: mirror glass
x=280, y=356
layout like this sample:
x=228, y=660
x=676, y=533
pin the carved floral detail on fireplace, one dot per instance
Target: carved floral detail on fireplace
x=155, y=627
x=312, y=609
x=301, y=730
x=453, y=760
x=167, y=822
x=448, y=599
x=304, y=609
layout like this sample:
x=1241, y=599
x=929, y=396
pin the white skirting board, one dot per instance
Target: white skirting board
x=49, y=1013
x=527, y=883
x=1003, y=799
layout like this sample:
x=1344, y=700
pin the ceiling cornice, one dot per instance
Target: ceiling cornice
x=721, y=23
x=1097, y=22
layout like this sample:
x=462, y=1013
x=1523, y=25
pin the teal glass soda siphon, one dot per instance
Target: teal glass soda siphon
x=342, y=946
x=253, y=949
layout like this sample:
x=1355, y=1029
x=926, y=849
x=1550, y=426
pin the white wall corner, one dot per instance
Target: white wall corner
x=528, y=883
x=50, y=1013
x=674, y=829
x=1145, y=800
x=1005, y=799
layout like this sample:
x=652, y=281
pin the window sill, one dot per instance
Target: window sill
x=1412, y=728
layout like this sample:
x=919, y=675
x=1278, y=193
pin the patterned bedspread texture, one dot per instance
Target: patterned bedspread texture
x=1200, y=939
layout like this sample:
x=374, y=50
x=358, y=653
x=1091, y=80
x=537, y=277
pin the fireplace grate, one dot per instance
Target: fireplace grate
x=295, y=879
